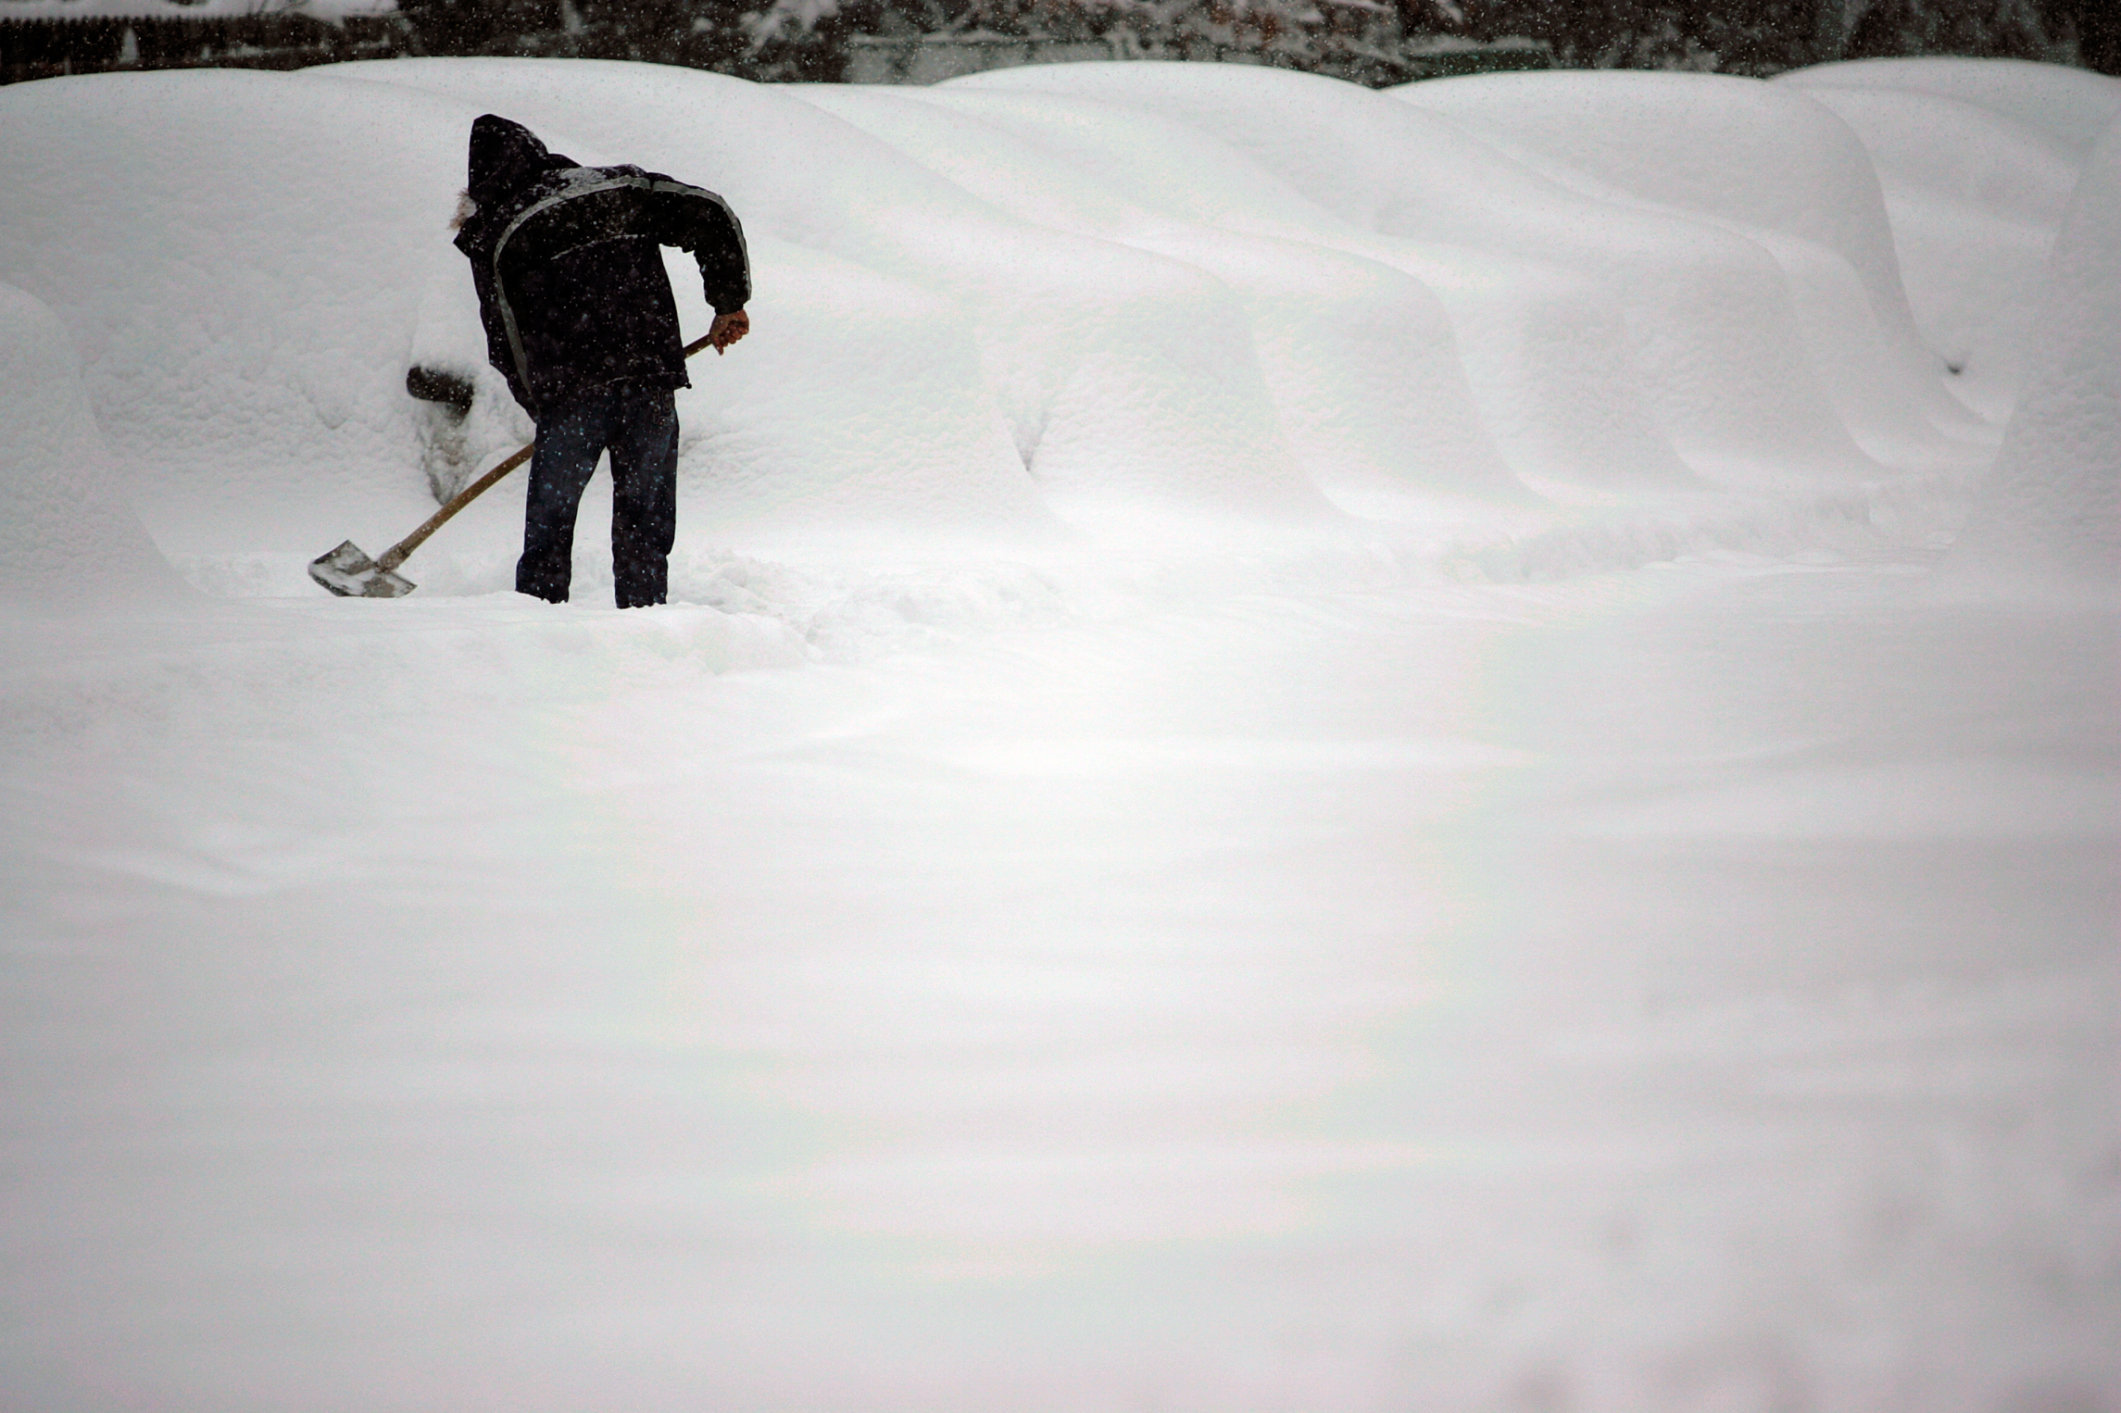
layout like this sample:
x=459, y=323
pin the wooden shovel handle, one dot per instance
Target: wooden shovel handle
x=397, y=553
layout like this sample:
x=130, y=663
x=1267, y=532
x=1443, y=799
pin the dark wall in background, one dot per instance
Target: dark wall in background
x=1385, y=42
x=35, y=49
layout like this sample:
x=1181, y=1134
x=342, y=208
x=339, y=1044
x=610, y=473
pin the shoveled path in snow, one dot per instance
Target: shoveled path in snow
x=1688, y=989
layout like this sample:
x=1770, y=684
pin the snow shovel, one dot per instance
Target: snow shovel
x=348, y=571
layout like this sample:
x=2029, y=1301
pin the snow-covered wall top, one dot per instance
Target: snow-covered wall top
x=194, y=10
x=1059, y=300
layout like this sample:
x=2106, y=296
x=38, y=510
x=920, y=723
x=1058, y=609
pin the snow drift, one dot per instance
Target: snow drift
x=231, y=254
x=65, y=532
x=1043, y=301
x=1977, y=160
x=1171, y=946
x=2050, y=514
x=1773, y=168
x=1699, y=316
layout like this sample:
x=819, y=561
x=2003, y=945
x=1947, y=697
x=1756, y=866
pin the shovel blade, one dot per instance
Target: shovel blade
x=351, y=574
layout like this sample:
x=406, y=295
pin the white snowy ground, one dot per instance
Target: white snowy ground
x=1315, y=751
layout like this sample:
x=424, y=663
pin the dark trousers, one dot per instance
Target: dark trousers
x=639, y=425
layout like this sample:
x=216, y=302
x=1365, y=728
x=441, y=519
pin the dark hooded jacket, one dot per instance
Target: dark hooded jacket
x=568, y=264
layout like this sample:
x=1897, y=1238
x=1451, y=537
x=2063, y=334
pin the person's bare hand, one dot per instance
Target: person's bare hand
x=728, y=328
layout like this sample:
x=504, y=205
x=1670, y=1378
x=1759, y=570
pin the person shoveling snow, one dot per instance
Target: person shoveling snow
x=581, y=321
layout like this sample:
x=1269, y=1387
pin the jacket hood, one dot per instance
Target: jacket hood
x=504, y=156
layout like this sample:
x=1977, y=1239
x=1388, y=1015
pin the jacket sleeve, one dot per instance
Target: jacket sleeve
x=696, y=220
x=498, y=352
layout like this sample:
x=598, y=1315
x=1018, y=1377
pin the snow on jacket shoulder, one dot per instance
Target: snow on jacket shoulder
x=568, y=265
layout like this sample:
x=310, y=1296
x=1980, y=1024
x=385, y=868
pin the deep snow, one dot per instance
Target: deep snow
x=1315, y=750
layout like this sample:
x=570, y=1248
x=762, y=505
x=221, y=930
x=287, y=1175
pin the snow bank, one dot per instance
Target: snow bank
x=1097, y=296
x=1698, y=319
x=65, y=535
x=1357, y=358
x=250, y=262
x=1119, y=373
x=240, y=258
x=2049, y=517
x=2071, y=106
x=1766, y=164
x=1977, y=160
